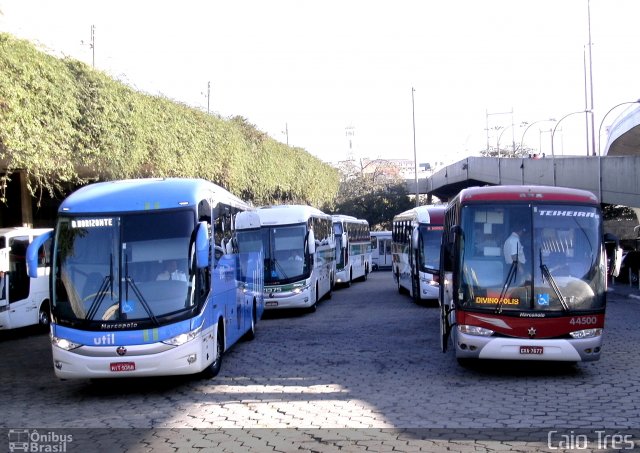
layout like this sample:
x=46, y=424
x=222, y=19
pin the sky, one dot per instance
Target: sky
x=350, y=78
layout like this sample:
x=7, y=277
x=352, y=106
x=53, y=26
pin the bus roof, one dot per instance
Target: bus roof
x=22, y=231
x=145, y=194
x=533, y=193
x=348, y=218
x=288, y=214
x=427, y=214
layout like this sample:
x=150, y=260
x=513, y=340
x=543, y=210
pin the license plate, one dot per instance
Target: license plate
x=271, y=304
x=123, y=366
x=537, y=350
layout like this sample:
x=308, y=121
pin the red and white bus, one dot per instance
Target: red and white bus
x=415, y=245
x=524, y=273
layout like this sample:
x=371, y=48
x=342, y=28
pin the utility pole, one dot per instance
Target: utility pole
x=593, y=131
x=415, y=156
x=93, y=46
x=208, y=95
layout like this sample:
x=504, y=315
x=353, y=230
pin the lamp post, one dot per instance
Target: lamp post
x=527, y=128
x=499, y=137
x=605, y=116
x=553, y=154
x=415, y=156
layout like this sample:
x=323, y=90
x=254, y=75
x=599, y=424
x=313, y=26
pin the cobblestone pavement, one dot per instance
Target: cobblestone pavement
x=362, y=373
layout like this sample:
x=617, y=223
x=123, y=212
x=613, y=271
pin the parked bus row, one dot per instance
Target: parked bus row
x=161, y=276
x=519, y=273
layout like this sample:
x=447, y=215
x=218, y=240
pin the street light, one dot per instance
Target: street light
x=605, y=116
x=499, y=137
x=527, y=128
x=553, y=154
x=415, y=157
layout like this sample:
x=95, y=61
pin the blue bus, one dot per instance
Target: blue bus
x=151, y=277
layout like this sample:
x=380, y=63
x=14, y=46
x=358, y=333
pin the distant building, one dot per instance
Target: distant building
x=389, y=168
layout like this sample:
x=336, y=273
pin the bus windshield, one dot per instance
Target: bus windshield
x=108, y=270
x=538, y=258
x=430, y=239
x=284, y=254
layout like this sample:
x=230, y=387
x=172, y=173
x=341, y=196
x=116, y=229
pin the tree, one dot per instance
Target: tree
x=372, y=190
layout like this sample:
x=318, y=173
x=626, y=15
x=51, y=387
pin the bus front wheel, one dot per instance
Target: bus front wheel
x=251, y=333
x=415, y=289
x=44, y=319
x=212, y=370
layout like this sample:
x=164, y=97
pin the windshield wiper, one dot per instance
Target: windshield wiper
x=142, y=300
x=546, y=273
x=277, y=266
x=138, y=294
x=99, y=297
x=511, y=276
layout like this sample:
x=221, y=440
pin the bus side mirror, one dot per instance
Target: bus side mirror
x=311, y=243
x=32, y=253
x=449, y=247
x=415, y=235
x=202, y=245
x=4, y=259
x=617, y=261
x=344, y=240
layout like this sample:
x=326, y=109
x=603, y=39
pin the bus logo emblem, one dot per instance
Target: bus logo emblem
x=121, y=350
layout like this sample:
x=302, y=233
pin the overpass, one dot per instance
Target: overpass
x=613, y=178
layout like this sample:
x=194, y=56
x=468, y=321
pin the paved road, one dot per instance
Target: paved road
x=364, y=372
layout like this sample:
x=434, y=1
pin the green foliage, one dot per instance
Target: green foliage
x=63, y=122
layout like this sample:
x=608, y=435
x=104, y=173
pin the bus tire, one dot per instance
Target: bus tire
x=465, y=362
x=212, y=370
x=314, y=306
x=44, y=318
x=251, y=333
x=415, y=290
x=366, y=274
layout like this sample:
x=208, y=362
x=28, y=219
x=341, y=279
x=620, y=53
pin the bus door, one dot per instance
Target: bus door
x=384, y=252
x=15, y=283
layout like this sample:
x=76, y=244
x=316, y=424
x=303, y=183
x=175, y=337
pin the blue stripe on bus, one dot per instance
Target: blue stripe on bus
x=125, y=337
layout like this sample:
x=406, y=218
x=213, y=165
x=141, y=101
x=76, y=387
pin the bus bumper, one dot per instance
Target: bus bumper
x=478, y=347
x=342, y=276
x=283, y=301
x=155, y=359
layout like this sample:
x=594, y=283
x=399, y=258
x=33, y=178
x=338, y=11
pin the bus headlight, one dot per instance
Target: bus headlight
x=183, y=338
x=475, y=330
x=64, y=343
x=299, y=289
x=430, y=281
x=586, y=333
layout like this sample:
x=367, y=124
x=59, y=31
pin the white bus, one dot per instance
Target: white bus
x=299, y=256
x=353, y=249
x=24, y=301
x=417, y=234
x=381, y=256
